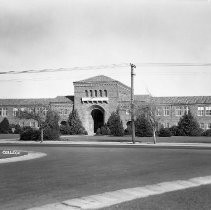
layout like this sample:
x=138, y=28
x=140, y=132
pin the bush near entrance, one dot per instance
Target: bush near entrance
x=75, y=124
x=115, y=124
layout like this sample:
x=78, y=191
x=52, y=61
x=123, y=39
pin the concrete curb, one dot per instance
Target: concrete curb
x=31, y=155
x=119, y=196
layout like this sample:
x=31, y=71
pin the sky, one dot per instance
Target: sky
x=53, y=34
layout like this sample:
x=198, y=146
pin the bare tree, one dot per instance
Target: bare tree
x=149, y=109
x=36, y=113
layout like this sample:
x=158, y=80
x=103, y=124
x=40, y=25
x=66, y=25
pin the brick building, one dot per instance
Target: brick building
x=97, y=97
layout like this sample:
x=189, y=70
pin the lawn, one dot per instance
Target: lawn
x=173, y=139
x=9, y=136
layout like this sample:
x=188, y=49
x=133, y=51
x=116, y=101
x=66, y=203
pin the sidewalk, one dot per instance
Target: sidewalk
x=116, y=144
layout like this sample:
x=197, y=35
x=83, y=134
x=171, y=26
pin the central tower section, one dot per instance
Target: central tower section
x=96, y=98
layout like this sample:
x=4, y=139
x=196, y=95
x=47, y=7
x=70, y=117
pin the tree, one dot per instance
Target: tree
x=75, y=123
x=115, y=124
x=51, y=126
x=188, y=125
x=36, y=113
x=143, y=127
x=149, y=109
x=4, y=126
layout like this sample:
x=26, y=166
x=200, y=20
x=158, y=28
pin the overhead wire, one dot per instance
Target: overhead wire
x=111, y=66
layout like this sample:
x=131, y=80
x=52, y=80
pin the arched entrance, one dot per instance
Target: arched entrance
x=98, y=118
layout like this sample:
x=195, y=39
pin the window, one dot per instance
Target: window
x=32, y=124
x=209, y=126
x=14, y=112
x=200, y=111
x=3, y=111
x=178, y=111
x=208, y=111
x=202, y=126
x=45, y=111
x=30, y=110
x=95, y=93
x=105, y=92
x=60, y=111
x=127, y=111
x=86, y=92
x=101, y=93
x=187, y=109
x=166, y=111
x=22, y=109
x=65, y=111
x=91, y=95
x=158, y=111
x=166, y=125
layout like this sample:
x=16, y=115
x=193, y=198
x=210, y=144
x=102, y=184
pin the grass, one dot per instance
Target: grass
x=173, y=139
x=9, y=136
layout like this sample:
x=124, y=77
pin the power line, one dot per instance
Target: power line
x=69, y=69
x=112, y=66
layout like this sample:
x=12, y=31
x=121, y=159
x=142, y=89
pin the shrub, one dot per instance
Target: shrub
x=4, y=126
x=105, y=130
x=65, y=129
x=207, y=133
x=98, y=132
x=30, y=134
x=175, y=131
x=51, y=129
x=143, y=127
x=18, y=129
x=128, y=130
x=164, y=132
x=188, y=126
x=115, y=124
x=75, y=124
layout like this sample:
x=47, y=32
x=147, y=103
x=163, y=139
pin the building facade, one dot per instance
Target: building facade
x=97, y=97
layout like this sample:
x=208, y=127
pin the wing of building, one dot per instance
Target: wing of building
x=97, y=97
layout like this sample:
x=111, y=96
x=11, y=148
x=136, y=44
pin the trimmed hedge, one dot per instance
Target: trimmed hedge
x=207, y=133
x=30, y=134
x=164, y=132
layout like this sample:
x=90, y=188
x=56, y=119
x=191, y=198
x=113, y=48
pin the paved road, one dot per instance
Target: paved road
x=74, y=172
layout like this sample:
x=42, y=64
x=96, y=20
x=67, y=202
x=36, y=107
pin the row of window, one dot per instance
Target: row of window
x=63, y=111
x=32, y=124
x=204, y=111
x=179, y=111
x=95, y=93
x=4, y=111
x=165, y=111
x=205, y=126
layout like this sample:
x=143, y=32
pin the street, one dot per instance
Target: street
x=69, y=172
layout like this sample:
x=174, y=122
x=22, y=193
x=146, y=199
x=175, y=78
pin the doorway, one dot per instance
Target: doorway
x=98, y=118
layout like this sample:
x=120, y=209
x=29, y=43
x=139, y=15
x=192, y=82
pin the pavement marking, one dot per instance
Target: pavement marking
x=31, y=155
x=119, y=196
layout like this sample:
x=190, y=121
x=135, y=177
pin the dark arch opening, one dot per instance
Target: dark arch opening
x=98, y=118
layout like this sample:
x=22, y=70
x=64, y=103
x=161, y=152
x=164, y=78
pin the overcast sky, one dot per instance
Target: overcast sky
x=38, y=34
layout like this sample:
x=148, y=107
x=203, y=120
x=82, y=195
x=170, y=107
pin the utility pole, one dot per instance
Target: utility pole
x=132, y=102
